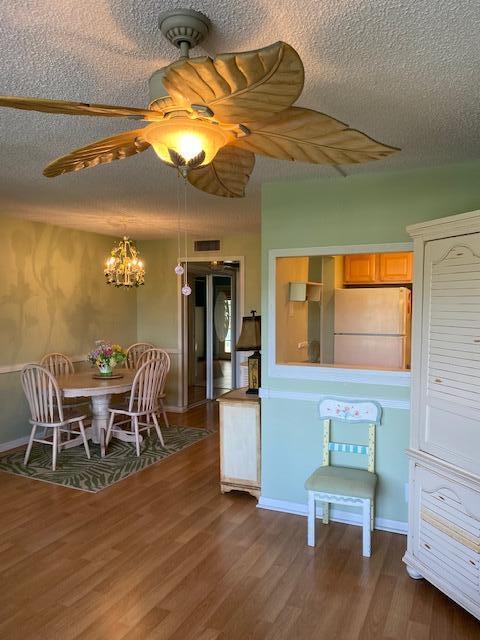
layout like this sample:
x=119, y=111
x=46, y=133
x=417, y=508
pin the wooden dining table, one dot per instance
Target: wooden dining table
x=99, y=390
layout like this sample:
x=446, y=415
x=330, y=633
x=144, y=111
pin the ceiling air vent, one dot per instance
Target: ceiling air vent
x=207, y=245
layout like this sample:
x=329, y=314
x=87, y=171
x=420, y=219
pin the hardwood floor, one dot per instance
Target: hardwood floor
x=164, y=556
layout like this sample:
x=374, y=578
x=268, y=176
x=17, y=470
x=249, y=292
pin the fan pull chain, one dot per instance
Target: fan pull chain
x=186, y=289
x=179, y=268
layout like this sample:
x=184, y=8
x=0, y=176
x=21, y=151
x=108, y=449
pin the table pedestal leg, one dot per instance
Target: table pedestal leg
x=100, y=416
x=100, y=420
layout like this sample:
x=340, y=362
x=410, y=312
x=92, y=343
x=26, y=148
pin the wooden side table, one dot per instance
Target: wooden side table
x=240, y=442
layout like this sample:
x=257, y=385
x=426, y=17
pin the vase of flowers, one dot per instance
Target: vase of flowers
x=106, y=356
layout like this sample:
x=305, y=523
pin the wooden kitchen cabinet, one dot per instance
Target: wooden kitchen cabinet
x=360, y=268
x=395, y=267
x=378, y=268
x=240, y=442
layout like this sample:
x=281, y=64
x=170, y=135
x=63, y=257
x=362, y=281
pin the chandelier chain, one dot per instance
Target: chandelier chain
x=185, y=229
x=178, y=219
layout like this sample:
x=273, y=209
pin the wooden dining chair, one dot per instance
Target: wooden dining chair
x=61, y=365
x=151, y=354
x=46, y=408
x=143, y=403
x=134, y=351
x=57, y=363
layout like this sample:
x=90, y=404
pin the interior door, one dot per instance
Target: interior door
x=450, y=373
x=221, y=373
x=209, y=333
x=197, y=340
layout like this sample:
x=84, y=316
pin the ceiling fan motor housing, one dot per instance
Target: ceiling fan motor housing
x=156, y=90
x=185, y=29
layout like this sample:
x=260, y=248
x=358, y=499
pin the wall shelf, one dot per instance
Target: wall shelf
x=305, y=292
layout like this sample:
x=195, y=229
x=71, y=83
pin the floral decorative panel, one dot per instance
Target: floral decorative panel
x=350, y=410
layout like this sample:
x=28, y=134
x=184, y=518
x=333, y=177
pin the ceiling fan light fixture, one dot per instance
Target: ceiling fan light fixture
x=187, y=137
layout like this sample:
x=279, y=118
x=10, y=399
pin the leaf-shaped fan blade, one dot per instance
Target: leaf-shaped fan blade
x=79, y=108
x=227, y=174
x=239, y=87
x=310, y=136
x=117, y=147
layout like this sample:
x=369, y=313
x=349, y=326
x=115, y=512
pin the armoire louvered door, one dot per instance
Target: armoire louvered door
x=444, y=455
x=450, y=369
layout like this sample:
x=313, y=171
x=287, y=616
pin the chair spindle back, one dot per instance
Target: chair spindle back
x=355, y=412
x=42, y=393
x=57, y=363
x=146, y=386
x=152, y=354
x=134, y=351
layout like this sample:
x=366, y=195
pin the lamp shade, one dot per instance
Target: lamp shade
x=250, y=336
x=187, y=137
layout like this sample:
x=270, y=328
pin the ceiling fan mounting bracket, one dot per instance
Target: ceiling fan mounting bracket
x=184, y=28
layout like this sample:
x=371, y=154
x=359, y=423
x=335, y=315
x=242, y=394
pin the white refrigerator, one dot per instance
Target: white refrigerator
x=372, y=327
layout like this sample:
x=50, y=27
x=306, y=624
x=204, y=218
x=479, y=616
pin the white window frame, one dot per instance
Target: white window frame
x=316, y=371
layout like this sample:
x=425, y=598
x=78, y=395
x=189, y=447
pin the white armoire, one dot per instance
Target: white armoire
x=444, y=454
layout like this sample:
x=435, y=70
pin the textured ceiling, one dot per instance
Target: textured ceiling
x=404, y=71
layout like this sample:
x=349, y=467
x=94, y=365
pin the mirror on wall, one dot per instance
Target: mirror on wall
x=350, y=310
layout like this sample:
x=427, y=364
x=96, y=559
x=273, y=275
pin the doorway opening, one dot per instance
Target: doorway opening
x=210, y=330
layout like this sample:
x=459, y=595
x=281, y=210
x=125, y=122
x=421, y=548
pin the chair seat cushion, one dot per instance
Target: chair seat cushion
x=343, y=481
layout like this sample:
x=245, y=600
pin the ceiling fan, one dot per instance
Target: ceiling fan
x=209, y=117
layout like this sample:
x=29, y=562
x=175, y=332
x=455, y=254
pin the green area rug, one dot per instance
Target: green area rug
x=76, y=471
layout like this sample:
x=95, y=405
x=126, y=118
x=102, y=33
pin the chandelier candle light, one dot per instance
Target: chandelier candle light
x=124, y=267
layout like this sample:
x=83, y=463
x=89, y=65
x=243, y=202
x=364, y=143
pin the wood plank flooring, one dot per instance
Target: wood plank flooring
x=164, y=556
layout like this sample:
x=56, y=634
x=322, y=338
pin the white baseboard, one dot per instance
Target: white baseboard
x=175, y=409
x=347, y=517
x=13, y=444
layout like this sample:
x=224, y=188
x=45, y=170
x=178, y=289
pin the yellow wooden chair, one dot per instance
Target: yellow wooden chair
x=345, y=485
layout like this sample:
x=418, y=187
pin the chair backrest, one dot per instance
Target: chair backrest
x=151, y=354
x=43, y=394
x=354, y=412
x=57, y=363
x=146, y=386
x=134, y=351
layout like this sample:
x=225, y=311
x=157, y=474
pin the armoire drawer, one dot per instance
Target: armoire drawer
x=446, y=535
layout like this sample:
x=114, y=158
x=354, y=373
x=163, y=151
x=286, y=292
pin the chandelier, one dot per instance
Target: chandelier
x=124, y=267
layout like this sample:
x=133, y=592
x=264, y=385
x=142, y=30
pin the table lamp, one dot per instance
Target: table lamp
x=250, y=341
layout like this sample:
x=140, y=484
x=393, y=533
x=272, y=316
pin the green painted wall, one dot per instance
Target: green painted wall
x=53, y=298
x=158, y=319
x=363, y=209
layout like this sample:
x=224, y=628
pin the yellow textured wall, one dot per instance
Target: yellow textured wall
x=53, y=298
x=158, y=300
